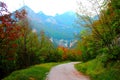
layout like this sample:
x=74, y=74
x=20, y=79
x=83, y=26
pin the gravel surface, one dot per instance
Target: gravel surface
x=66, y=72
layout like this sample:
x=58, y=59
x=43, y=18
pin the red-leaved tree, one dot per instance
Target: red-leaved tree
x=9, y=33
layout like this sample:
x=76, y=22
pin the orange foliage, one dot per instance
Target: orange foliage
x=67, y=51
x=73, y=51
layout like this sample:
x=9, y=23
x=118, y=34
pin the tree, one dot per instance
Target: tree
x=28, y=44
x=48, y=52
x=9, y=33
x=102, y=32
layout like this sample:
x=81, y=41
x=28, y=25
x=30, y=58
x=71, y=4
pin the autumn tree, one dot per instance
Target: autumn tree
x=28, y=43
x=9, y=33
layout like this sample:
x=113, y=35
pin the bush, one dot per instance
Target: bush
x=95, y=69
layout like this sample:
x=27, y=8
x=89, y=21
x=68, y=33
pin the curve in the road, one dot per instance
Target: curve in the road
x=66, y=72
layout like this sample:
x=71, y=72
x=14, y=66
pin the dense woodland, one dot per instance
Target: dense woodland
x=21, y=47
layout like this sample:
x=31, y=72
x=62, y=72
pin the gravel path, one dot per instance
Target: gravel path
x=66, y=72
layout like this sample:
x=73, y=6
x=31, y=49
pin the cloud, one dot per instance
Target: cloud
x=13, y=4
x=53, y=7
x=89, y=7
x=49, y=7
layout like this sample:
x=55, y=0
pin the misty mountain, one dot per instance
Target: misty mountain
x=59, y=28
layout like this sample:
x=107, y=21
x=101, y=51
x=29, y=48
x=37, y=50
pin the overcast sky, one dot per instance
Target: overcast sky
x=49, y=7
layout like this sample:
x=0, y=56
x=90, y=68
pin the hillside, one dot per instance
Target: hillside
x=60, y=28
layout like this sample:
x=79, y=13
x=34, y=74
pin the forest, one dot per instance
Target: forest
x=99, y=43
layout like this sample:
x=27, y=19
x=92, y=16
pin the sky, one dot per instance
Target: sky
x=49, y=7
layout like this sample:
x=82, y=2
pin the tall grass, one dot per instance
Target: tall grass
x=96, y=70
x=37, y=72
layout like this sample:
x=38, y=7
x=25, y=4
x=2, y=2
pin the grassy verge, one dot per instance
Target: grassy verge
x=37, y=72
x=96, y=71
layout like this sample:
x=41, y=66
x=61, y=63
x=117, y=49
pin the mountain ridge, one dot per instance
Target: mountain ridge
x=59, y=27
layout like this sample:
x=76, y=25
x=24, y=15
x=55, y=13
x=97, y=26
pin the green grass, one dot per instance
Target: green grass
x=37, y=72
x=96, y=71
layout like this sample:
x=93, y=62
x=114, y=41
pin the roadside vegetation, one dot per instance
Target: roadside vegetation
x=36, y=72
x=96, y=71
x=100, y=43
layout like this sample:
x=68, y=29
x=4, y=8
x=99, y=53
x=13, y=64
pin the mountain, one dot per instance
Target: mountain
x=59, y=28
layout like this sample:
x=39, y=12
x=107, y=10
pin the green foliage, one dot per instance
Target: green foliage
x=102, y=35
x=88, y=49
x=102, y=44
x=37, y=72
x=20, y=47
x=95, y=69
x=28, y=46
x=48, y=53
x=73, y=57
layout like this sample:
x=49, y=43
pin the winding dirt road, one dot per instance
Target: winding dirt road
x=66, y=72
